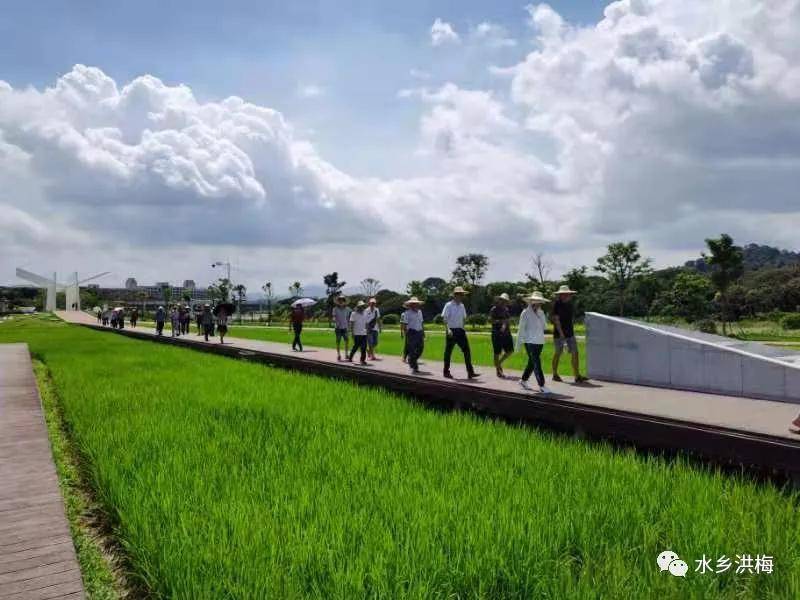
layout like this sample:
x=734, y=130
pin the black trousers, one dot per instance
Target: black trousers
x=359, y=343
x=534, y=363
x=458, y=338
x=159, y=327
x=296, y=343
x=415, y=344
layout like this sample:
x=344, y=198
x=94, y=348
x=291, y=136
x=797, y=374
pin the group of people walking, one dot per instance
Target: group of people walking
x=363, y=323
x=209, y=321
x=116, y=317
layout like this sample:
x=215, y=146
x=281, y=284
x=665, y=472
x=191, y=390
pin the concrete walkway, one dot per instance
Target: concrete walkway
x=742, y=414
x=37, y=557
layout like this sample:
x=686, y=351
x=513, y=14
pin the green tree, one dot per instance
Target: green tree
x=296, y=289
x=370, y=286
x=621, y=264
x=166, y=293
x=269, y=295
x=727, y=265
x=333, y=288
x=689, y=297
x=470, y=270
x=241, y=292
x=415, y=288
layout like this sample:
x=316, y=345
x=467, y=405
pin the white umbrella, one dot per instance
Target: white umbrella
x=304, y=302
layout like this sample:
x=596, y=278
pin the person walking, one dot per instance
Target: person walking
x=121, y=318
x=373, y=327
x=207, y=321
x=341, y=324
x=106, y=318
x=412, y=329
x=502, y=340
x=198, y=315
x=403, y=336
x=454, y=315
x=175, y=321
x=296, y=318
x=114, y=314
x=134, y=317
x=358, y=327
x=562, y=316
x=160, y=316
x=99, y=314
x=530, y=335
x=222, y=323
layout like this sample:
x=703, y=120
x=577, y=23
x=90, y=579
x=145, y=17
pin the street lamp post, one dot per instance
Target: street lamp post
x=227, y=265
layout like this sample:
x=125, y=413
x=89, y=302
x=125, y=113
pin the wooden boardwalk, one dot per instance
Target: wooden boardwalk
x=37, y=556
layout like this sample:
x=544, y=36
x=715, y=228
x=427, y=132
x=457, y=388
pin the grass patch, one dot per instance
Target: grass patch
x=92, y=549
x=228, y=479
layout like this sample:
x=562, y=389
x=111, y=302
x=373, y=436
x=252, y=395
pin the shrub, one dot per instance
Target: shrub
x=391, y=319
x=706, y=326
x=791, y=321
x=477, y=319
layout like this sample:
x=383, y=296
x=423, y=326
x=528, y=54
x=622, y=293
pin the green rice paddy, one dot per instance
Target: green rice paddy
x=227, y=479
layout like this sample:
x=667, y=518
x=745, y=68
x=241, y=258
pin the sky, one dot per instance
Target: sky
x=384, y=139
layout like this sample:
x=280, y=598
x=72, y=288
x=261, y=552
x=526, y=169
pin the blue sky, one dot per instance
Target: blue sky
x=360, y=53
x=384, y=139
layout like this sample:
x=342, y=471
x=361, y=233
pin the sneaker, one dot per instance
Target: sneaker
x=525, y=385
x=556, y=377
x=363, y=363
x=473, y=375
x=545, y=390
x=447, y=375
x=581, y=379
x=500, y=374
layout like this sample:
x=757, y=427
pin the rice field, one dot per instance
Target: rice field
x=227, y=479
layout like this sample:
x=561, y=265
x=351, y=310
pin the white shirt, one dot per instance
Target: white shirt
x=374, y=314
x=359, y=321
x=412, y=319
x=454, y=314
x=531, y=327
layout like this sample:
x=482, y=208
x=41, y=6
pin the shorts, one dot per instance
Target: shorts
x=502, y=342
x=372, y=338
x=342, y=334
x=571, y=344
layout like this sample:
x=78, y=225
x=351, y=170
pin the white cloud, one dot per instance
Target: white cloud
x=493, y=35
x=310, y=90
x=443, y=33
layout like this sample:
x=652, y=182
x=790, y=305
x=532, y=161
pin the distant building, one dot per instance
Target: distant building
x=130, y=284
x=152, y=295
x=188, y=284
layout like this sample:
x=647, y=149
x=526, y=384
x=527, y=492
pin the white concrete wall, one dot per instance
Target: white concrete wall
x=632, y=352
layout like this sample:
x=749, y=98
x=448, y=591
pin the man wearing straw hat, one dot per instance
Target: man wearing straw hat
x=532, y=322
x=564, y=333
x=502, y=341
x=341, y=322
x=454, y=315
x=358, y=327
x=411, y=328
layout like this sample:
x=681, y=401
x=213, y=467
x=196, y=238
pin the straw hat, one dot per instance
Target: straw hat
x=340, y=298
x=412, y=300
x=535, y=298
x=360, y=303
x=504, y=296
x=459, y=290
x=564, y=289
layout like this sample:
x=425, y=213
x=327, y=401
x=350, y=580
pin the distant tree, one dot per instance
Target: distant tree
x=333, y=288
x=166, y=294
x=470, y=269
x=541, y=269
x=621, y=264
x=577, y=279
x=415, y=288
x=370, y=286
x=269, y=295
x=296, y=289
x=223, y=288
x=690, y=297
x=727, y=265
x=241, y=292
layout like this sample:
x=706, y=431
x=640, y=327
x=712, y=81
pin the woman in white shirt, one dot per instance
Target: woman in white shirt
x=531, y=335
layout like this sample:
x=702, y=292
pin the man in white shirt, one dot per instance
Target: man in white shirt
x=373, y=326
x=454, y=315
x=412, y=329
x=358, y=327
x=341, y=320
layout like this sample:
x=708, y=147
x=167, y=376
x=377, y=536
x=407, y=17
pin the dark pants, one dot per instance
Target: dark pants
x=296, y=343
x=199, y=326
x=534, y=363
x=359, y=343
x=159, y=327
x=208, y=330
x=415, y=343
x=133, y=322
x=458, y=338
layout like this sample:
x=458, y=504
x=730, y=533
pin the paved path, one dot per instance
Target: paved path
x=744, y=414
x=37, y=557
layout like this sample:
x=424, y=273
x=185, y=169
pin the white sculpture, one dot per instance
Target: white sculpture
x=71, y=289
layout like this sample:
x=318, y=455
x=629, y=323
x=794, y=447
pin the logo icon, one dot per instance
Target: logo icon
x=670, y=561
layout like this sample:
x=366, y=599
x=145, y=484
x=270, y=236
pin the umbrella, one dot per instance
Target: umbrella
x=119, y=308
x=226, y=305
x=304, y=302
